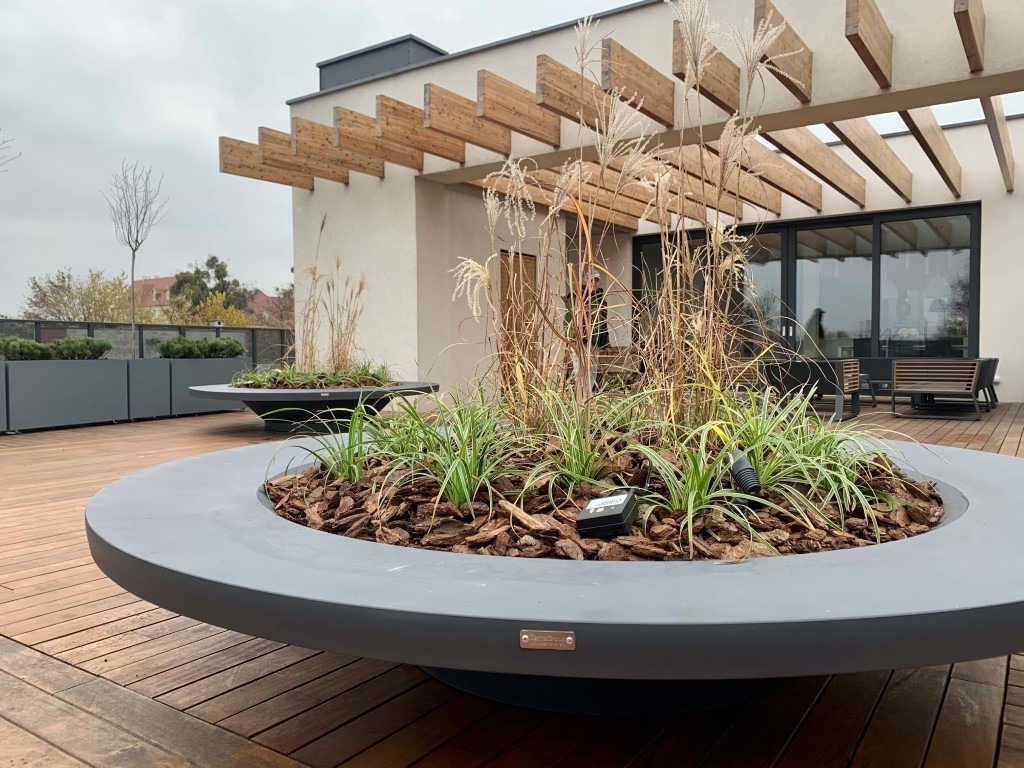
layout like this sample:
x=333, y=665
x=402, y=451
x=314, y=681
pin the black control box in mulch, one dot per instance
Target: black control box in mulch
x=608, y=516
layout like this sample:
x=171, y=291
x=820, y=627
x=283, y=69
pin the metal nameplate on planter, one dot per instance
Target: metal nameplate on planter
x=542, y=640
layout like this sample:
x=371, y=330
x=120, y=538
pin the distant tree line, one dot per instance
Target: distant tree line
x=201, y=294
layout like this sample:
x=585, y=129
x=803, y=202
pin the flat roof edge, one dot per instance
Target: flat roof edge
x=458, y=54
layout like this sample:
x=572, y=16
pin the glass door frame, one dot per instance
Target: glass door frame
x=788, y=230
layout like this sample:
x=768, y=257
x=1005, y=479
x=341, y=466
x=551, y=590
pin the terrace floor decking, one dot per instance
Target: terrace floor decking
x=90, y=674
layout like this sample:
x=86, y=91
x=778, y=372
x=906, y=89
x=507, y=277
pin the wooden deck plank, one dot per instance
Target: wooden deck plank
x=30, y=607
x=346, y=742
x=484, y=740
x=423, y=735
x=123, y=639
x=214, y=685
x=71, y=620
x=829, y=735
x=83, y=736
x=105, y=664
x=21, y=748
x=557, y=738
x=278, y=709
x=227, y=704
x=176, y=657
x=93, y=634
x=310, y=725
x=37, y=669
x=1011, y=747
x=165, y=682
x=987, y=671
x=686, y=742
x=198, y=742
x=898, y=734
x=967, y=732
x=328, y=709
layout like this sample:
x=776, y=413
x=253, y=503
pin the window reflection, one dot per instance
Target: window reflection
x=925, y=287
x=833, y=292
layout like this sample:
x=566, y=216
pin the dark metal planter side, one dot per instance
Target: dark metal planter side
x=3, y=397
x=62, y=393
x=192, y=373
x=149, y=388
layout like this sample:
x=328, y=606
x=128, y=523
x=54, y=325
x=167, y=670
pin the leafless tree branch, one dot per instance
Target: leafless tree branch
x=135, y=207
x=5, y=153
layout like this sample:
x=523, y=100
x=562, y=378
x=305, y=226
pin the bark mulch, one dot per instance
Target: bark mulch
x=412, y=516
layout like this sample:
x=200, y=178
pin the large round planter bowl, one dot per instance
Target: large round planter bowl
x=599, y=634
x=312, y=410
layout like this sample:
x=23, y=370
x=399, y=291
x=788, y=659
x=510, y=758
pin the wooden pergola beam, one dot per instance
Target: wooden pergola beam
x=241, y=158
x=788, y=53
x=544, y=197
x=867, y=144
x=698, y=181
x=315, y=141
x=403, y=124
x=933, y=141
x=637, y=82
x=704, y=167
x=455, y=116
x=772, y=168
x=505, y=103
x=683, y=203
x=995, y=118
x=275, y=150
x=356, y=131
x=970, y=21
x=567, y=93
x=871, y=38
x=720, y=82
x=595, y=194
x=817, y=157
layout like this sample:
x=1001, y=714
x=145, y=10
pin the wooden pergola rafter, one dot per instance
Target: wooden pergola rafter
x=401, y=133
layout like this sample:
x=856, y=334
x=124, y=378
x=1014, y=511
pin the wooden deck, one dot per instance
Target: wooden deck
x=89, y=674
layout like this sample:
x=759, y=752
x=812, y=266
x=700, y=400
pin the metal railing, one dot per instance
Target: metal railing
x=264, y=346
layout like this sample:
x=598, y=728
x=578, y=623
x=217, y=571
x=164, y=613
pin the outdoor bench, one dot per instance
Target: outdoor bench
x=926, y=379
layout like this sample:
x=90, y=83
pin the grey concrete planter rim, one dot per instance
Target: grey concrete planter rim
x=206, y=546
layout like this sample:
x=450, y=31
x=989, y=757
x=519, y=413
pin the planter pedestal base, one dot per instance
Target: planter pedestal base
x=590, y=696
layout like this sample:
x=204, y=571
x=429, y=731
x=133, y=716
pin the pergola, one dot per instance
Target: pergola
x=401, y=133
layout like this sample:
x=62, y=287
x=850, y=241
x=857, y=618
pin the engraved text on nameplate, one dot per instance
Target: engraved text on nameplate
x=543, y=640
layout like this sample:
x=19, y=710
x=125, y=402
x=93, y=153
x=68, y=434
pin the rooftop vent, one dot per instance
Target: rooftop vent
x=376, y=60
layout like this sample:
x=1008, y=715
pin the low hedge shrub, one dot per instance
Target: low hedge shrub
x=80, y=348
x=16, y=348
x=182, y=347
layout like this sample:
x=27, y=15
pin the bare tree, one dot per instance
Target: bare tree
x=135, y=208
x=5, y=153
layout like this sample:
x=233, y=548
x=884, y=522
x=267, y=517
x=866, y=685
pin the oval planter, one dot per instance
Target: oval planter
x=208, y=548
x=315, y=410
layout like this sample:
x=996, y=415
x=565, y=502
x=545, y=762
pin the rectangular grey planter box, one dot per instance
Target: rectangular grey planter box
x=61, y=393
x=3, y=397
x=193, y=373
x=149, y=388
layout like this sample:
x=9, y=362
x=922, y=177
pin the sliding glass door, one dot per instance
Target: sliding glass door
x=832, y=297
x=897, y=284
x=925, y=302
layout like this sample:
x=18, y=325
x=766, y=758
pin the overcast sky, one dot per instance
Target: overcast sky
x=86, y=84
